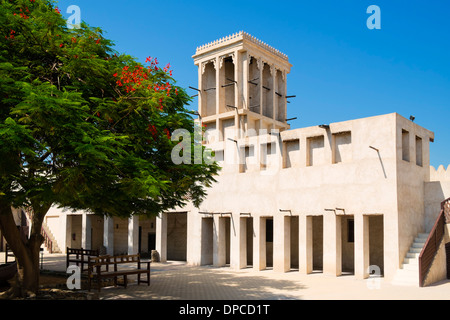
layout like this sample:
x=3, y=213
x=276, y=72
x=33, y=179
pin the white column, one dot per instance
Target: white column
x=305, y=255
x=236, y=242
x=281, y=243
x=332, y=244
x=259, y=244
x=361, y=246
x=67, y=222
x=242, y=242
x=86, y=231
x=133, y=234
x=108, y=234
x=219, y=244
x=161, y=236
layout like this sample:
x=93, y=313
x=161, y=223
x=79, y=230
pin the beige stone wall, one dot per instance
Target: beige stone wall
x=354, y=165
x=412, y=171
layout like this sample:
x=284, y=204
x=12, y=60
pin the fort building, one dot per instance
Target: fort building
x=353, y=197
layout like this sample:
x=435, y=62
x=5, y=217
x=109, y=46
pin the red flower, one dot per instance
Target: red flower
x=167, y=133
x=61, y=45
x=115, y=75
x=97, y=41
x=57, y=10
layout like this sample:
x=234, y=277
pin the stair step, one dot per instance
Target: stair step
x=408, y=274
x=411, y=266
x=413, y=255
x=411, y=261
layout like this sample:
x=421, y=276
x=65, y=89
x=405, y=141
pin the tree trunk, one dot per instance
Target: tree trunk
x=26, y=253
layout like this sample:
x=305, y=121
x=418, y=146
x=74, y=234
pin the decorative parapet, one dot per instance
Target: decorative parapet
x=440, y=174
x=239, y=36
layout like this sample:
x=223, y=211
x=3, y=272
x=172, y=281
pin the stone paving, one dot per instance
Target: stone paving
x=178, y=281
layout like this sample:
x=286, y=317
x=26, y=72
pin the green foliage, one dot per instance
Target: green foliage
x=85, y=127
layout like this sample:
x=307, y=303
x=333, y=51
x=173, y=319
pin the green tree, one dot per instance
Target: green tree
x=84, y=127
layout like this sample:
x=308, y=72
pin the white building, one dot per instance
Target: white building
x=347, y=197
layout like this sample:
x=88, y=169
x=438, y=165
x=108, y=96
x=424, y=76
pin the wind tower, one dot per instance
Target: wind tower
x=241, y=87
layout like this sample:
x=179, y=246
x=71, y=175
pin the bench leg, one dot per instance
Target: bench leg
x=125, y=281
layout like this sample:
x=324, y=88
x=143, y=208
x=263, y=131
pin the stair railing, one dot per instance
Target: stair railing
x=431, y=246
x=47, y=241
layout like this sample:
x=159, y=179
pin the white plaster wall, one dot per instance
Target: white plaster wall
x=364, y=185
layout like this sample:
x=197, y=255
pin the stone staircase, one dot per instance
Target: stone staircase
x=49, y=240
x=408, y=275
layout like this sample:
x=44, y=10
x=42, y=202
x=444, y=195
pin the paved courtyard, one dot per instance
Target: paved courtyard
x=178, y=281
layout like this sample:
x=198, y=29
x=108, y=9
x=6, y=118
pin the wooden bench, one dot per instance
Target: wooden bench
x=81, y=256
x=99, y=268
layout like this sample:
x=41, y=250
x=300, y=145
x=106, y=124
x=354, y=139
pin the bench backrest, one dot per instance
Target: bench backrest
x=84, y=252
x=127, y=258
x=105, y=261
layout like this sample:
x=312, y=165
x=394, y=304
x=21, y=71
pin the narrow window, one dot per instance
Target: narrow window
x=405, y=145
x=419, y=154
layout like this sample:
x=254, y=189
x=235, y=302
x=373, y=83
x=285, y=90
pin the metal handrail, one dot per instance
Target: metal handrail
x=431, y=246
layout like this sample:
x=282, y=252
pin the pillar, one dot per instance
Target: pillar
x=108, y=234
x=305, y=244
x=219, y=244
x=362, y=252
x=259, y=245
x=67, y=221
x=332, y=244
x=161, y=236
x=238, y=243
x=281, y=243
x=133, y=234
x=86, y=231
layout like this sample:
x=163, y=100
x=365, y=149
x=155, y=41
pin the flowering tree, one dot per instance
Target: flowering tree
x=83, y=127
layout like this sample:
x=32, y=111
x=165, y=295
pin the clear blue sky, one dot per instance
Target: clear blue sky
x=341, y=69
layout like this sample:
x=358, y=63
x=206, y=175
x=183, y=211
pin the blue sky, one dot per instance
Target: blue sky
x=341, y=69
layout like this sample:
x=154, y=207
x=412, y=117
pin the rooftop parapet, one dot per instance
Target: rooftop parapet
x=237, y=37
